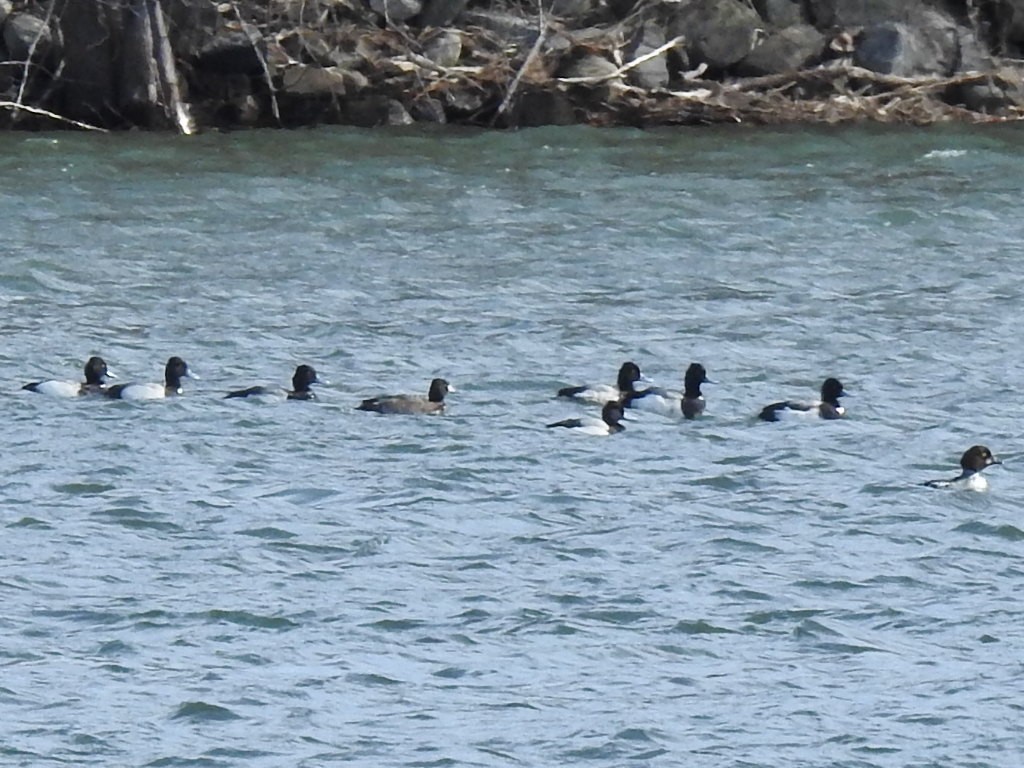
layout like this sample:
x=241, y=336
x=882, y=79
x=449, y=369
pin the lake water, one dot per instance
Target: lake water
x=202, y=582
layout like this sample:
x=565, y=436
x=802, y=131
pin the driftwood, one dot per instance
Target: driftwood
x=167, y=72
x=542, y=32
x=485, y=85
x=268, y=79
x=829, y=73
x=25, y=78
x=15, y=107
x=625, y=67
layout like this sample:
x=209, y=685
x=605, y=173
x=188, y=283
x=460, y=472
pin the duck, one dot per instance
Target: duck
x=608, y=424
x=974, y=459
x=693, y=403
x=432, y=403
x=96, y=374
x=826, y=408
x=175, y=370
x=629, y=375
x=689, y=404
x=302, y=379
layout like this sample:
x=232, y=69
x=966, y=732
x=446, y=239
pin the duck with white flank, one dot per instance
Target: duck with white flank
x=96, y=374
x=175, y=370
x=608, y=424
x=975, y=459
x=826, y=408
x=689, y=404
x=629, y=375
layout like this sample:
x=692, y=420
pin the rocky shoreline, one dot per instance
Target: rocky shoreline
x=190, y=65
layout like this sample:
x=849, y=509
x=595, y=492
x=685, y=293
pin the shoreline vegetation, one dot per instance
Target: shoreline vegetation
x=192, y=65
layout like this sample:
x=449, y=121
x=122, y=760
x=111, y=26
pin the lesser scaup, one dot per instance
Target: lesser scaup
x=302, y=379
x=432, y=403
x=975, y=459
x=175, y=370
x=693, y=401
x=96, y=374
x=629, y=375
x=688, y=404
x=826, y=408
x=608, y=424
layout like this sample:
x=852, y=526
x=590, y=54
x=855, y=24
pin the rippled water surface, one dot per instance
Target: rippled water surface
x=201, y=582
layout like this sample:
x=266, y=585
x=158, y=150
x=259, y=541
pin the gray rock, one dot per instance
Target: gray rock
x=538, y=107
x=307, y=46
x=718, y=33
x=857, y=13
x=309, y=80
x=463, y=103
x=397, y=114
x=588, y=66
x=507, y=26
x=653, y=73
x=444, y=48
x=191, y=23
x=368, y=112
x=580, y=13
x=783, y=51
x=233, y=53
x=22, y=31
x=987, y=98
x=780, y=13
x=397, y=11
x=930, y=47
x=974, y=55
x=1006, y=26
x=441, y=13
x=428, y=110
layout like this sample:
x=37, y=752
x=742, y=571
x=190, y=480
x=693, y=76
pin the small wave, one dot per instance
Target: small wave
x=201, y=712
x=942, y=154
x=246, y=619
x=701, y=627
x=1008, y=532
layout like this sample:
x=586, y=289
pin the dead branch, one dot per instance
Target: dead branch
x=28, y=59
x=542, y=32
x=15, y=107
x=625, y=67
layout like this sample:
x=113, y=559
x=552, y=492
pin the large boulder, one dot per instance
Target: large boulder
x=25, y=34
x=1005, y=26
x=929, y=47
x=788, y=49
x=91, y=32
x=653, y=73
x=858, y=13
x=718, y=33
x=444, y=48
x=235, y=53
x=441, y=13
x=780, y=13
x=397, y=11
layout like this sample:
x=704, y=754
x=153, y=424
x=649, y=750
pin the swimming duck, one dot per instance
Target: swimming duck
x=629, y=375
x=974, y=459
x=826, y=408
x=608, y=424
x=302, y=379
x=693, y=401
x=432, y=403
x=689, y=404
x=96, y=374
x=175, y=370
